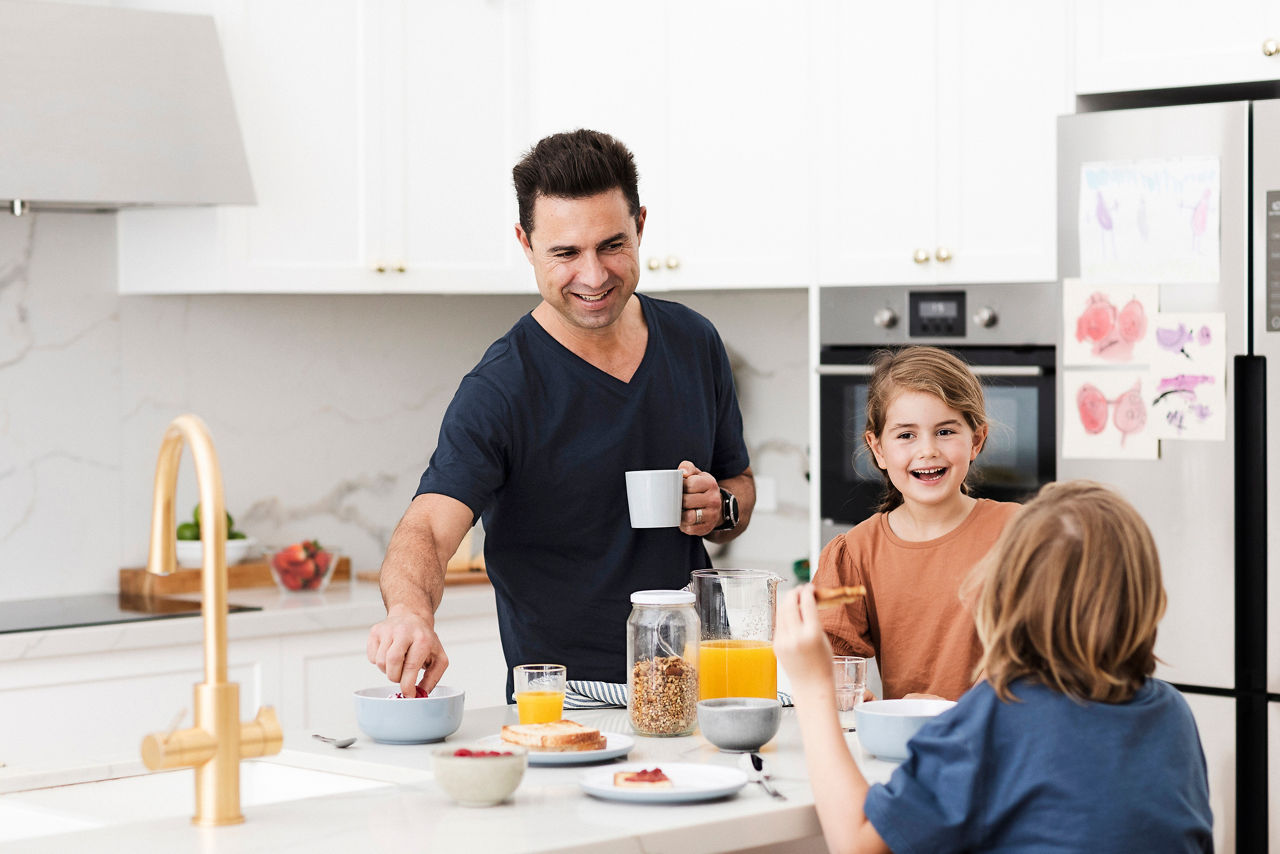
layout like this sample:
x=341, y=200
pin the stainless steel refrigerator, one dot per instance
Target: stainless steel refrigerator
x=1207, y=501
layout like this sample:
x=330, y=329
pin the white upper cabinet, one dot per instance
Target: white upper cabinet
x=380, y=135
x=713, y=98
x=937, y=124
x=1124, y=45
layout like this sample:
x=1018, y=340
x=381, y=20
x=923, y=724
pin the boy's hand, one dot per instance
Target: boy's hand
x=801, y=643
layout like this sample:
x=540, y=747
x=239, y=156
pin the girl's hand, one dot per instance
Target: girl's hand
x=801, y=643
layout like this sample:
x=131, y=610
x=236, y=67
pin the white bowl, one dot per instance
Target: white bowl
x=479, y=781
x=191, y=552
x=409, y=720
x=885, y=726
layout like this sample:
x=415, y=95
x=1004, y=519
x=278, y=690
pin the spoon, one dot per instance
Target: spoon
x=336, y=742
x=763, y=778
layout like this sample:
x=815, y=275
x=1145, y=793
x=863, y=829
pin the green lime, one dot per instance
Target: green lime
x=188, y=531
x=236, y=535
x=195, y=514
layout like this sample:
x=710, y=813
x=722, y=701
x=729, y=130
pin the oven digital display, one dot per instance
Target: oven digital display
x=937, y=308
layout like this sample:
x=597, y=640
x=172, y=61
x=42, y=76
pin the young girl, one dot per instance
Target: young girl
x=1067, y=744
x=926, y=423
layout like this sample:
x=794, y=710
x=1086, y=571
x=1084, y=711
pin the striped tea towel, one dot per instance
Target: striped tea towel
x=586, y=694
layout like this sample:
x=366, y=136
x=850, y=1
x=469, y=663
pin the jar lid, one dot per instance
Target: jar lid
x=662, y=597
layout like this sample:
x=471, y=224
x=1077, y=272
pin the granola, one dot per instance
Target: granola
x=664, y=695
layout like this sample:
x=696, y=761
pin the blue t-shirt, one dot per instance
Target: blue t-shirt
x=537, y=442
x=1050, y=774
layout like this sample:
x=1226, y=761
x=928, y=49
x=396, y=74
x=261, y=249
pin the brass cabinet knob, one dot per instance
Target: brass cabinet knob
x=921, y=256
x=381, y=268
x=654, y=264
x=943, y=255
x=673, y=262
x=1270, y=47
x=399, y=268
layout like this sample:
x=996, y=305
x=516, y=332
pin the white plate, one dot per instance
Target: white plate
x=689, y=783
x=616, y=745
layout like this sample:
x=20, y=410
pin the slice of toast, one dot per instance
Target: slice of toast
x=562, y=735
x=654, y=779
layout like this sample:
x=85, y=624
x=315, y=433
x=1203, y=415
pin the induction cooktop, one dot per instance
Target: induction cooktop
x=95, y=609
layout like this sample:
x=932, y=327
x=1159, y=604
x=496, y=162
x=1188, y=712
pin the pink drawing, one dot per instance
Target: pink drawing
x=1199, y=219
x=1113, y=333
x=1093, y=409
x=1176, y=340
x=1130, y=414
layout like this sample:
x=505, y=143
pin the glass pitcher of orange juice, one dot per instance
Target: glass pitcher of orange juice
x=737, y=609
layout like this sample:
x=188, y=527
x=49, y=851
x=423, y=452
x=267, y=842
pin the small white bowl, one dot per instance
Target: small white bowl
x=191, y=552
x=885, y=726
x=479, y=781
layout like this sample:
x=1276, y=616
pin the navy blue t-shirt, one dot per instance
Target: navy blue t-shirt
x=1050, y=774
x=537, y=442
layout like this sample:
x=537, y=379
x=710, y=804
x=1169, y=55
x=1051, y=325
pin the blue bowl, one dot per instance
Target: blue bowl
x=392, y=720
x=885, y=726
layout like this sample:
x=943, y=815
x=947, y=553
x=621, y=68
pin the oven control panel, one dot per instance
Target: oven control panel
x=936, y=314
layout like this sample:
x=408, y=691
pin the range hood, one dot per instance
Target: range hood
x=106, y=108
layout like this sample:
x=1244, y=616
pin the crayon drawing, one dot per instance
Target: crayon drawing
x=1107, y=324
x=1188, y=382
x=1106, y=415
x=1150, y=220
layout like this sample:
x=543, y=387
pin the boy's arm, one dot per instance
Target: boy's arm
x=802, y=647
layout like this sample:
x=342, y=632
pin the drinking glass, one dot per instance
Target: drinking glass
x=850, y=672
x=539, y=692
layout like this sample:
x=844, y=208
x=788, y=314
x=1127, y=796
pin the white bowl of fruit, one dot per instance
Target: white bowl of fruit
x=303, y=566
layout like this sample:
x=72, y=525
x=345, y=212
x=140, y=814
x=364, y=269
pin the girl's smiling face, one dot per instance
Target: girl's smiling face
x=925, y=448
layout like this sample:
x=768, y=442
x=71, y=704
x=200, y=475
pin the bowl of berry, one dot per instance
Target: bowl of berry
x=476, y=776
x=304, y=566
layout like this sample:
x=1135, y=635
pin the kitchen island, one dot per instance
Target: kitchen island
x=407, y=810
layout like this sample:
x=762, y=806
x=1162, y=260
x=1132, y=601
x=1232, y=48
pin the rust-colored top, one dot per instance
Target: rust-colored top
x=912, y=619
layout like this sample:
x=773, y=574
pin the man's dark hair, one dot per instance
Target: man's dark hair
x=574, y=165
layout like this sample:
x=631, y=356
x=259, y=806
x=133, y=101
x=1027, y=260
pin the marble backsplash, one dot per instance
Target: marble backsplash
x=323, y=409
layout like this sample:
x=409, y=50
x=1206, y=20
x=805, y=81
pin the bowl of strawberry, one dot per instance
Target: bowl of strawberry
x=303, y=566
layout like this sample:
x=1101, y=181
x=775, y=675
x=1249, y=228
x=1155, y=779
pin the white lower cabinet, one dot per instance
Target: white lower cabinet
x=99, y=706
x=94, y=707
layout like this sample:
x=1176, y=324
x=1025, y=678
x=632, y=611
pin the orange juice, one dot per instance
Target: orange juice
x=540, y=707
x=737, y=668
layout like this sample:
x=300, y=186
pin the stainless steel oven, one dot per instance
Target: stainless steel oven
x=1007, y=333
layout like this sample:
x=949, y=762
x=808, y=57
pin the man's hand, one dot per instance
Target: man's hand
x=403, y=644
x=701, y=493
x=801, y=643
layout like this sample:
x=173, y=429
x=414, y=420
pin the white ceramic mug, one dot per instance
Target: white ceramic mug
x=654, y=497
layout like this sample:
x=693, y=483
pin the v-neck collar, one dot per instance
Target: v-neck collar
x=585, y=368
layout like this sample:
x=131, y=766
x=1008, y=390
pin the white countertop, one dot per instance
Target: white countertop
x=549, y=811
x=343, y=605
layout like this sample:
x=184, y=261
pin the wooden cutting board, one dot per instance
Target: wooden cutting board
x=139, y=582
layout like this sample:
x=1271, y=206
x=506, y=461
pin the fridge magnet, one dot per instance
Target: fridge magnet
x=1150, y=220
x=1106, y=415
x=1188, y=382
x=1108, y=324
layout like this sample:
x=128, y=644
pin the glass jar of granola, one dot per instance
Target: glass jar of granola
x=663, y=634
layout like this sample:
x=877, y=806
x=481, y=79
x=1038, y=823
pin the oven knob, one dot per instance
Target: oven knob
x=885, y=318
x=986, y=316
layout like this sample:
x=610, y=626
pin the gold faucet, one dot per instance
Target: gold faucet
x=218, y=741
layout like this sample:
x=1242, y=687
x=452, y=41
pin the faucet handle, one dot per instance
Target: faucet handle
x=261, y=736
x=182, y=749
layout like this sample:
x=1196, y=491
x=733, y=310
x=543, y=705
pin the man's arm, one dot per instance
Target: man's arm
x=412, y=582
x=702, y=491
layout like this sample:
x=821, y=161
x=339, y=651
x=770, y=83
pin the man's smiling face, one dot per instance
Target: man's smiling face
x=585, y=255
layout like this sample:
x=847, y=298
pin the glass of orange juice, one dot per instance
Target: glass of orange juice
x=539, y=692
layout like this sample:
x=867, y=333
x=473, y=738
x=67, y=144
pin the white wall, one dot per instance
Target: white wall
x=323, y=409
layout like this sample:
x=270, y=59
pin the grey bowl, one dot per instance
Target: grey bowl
x=739, y=724
x=392, y=720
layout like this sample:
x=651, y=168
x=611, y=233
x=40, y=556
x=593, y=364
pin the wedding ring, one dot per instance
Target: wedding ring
x=697, y=515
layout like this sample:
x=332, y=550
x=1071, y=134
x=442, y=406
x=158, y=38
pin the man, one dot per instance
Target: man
x=595, y=381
